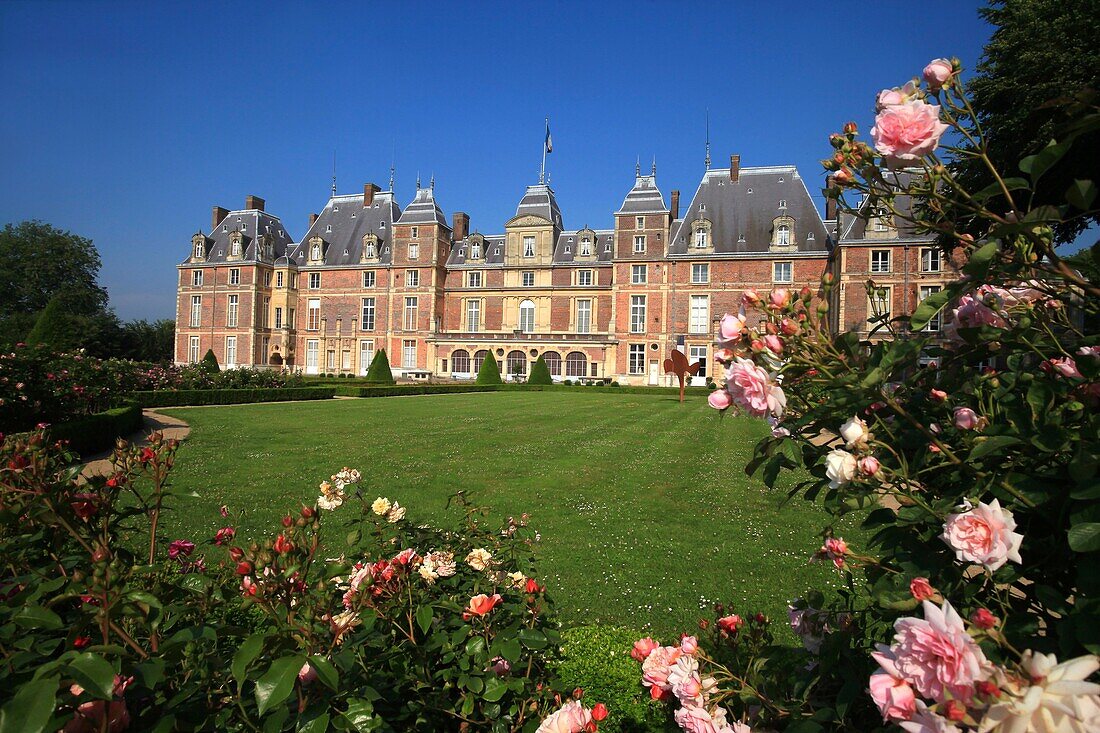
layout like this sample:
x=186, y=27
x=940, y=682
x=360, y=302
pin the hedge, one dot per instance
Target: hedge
x=410, y=389
x=98, y=432
x=184, y=397
x=690, y=391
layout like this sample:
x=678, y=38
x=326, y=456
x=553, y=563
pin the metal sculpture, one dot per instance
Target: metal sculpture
x=677, y=364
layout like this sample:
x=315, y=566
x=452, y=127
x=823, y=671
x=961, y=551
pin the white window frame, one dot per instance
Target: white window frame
x=196, y=278
x=637, y=313
x=639, y=274
x=230, y=351
x=783, y=235
x=935, y=323
x=408, y=353
x=527, y=278
x=473, y=315
x=412, y=312
x=584, y=315
x=193, y=350
x=232, y=311
x=196, y=311
x=786, y=265
x=475, y=250
x=313, y=322
x=279, y=279
x=416, y=232
x=639, y=222
x=234, y=276
x=699, y=314
x=526, y=319
x=639, y=244
x=474, y=279
x=278, y=317
x=370, y=278
x=700, y=273
x=371, y=252
x=414, y=251
x=412, y=278
x=366, y=354
x=927, y=255
x=312, y=356
x=585, y=278
x=698, y=353
x=314, y=281
x=528, y=246
x=702, y=236
x=585, y=249
x=878, y=267
x=636, y=359
x=367, y=314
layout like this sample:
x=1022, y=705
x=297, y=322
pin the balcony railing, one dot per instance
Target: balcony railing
x=519, y=336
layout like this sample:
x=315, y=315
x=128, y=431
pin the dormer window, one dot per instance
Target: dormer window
x=586, y=247
x=198, y=243
x=782, y=203
x=370, y=251
x=783, y=235
x=700, y=234
x=315, y=252
x=328, y=228
x=475, y=250
x=700, y=239
x=236, y=242
x=381, y=225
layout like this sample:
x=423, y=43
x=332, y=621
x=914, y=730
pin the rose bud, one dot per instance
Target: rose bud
x=921, y=589
x=983, y=619
x=236, y=554
x=760, y=618
x=774, y=343
x=244, y=568
x=788, y=327
x=868, y=465
x=756, y=346
x=938, y=395
x=642, y=648
x=937, y=74
x=704, y=624
x=719, y=399
x=850, y=128
x=966, y=419
x=287, y=521
x=689, y=644
x=954, y=710
x=307, y=512
x=578, y=693
x=599, y=711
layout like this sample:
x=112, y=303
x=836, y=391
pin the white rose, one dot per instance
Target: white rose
x=380, y=506
x=840, y=467
x=855, y=433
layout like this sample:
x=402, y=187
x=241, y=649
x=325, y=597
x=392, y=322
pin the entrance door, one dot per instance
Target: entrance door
x=698, y=354
x=311, y=356
x=654, y=373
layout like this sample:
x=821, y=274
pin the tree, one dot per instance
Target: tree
x=145, y=341
x=379, y=370
x=209, y=363
x=489, y=372
x=540, y=373
x=1024, y=94
x=56, y=327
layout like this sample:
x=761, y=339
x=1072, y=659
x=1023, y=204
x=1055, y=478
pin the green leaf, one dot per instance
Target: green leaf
x=494, y=689
x=360, y=714
x=29, y=711
x=1085, y=537
x=475, y=646
x=994, y=189
x=37, y=617
x=326, y=672
x=1038, y=164
x=277, y=683
x=1081, y=194
x=248, y=651
x=511, y=650
x=317, y=725
x=94, y=673
x=985, y=445
x=532, y=639
x=424, y=618
x=981, y=257
x=928, y=308
x=354, y=536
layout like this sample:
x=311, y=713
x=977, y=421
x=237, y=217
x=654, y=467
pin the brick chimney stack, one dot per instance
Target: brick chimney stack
x=369, y=189
x=735, y=168
x=217, y=216
x=312, y=219
x=675, y=208
x=460, y=225
x=830, y=203
x=254, y=202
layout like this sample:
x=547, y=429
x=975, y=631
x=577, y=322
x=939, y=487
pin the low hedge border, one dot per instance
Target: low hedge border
x=194, y=397
x=412, y=389
x=602, y=388
x=98, y=432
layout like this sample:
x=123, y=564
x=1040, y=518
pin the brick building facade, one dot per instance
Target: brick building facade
x=595, y=303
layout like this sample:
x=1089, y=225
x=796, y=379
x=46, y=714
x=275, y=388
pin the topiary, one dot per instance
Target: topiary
x=55, y=327
x=209, y=363
x=489, y=372
x=379, y=371
x=540, y=373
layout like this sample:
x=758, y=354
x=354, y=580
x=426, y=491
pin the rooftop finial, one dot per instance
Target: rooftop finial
x=653, y=170
x=638, y=167
x=334, y=171
x=431, y=185
x=547, y=147
x=708, y=139
x=393, y=160
x=418, y=180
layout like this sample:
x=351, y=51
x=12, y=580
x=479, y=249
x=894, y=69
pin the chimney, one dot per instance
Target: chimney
x=312, y=219
x=735, y=168
x=830, y=203
x=217, y=216
x=675, y=205
x=254, y=202
x=369, y=189
x=460, y=225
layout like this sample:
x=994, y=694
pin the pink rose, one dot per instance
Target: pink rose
x=869, y=465
x=892, y=694
x=180, y=547
x=731, y=327
x=905, y=133
x=307, y=674
x=642, y=648
x=572, y=717
x=774, y=343
x=936, y=655
x=752, y=389
x=937, y=73
x=719, y=399
x=1066, y=366
x=921, y=589
x=779, y=298
x=684, y=681
x=723, y=355
x=926, y=721
x=897, y=95
x=750, y=298
x=983, y=535
x=697, y=719
x=689, y=644
x=1089, y=351
x=657, y=665
x=965, y=418
x=938, y=395
x=983, y=619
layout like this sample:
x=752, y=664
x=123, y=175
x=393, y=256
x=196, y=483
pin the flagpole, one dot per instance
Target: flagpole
x=542, y=171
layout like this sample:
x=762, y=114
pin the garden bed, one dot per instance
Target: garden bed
x=186, y=397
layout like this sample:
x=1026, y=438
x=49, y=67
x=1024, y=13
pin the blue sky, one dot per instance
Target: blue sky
x=127, y=122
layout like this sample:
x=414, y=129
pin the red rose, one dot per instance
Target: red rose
x=983, y=619
x=599, y=711
x=244, y=568
x=283, y=545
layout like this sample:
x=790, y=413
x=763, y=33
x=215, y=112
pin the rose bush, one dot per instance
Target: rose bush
x=107, y=625
x=972, y=455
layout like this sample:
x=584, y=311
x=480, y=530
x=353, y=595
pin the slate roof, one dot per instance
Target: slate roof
x=644, y=198
x=854, y=228
x=603, y=247
x=540, y=201
x=252, y=223
x=342, y=225
x=742, y=212
x=492, y=251
x=423, y=210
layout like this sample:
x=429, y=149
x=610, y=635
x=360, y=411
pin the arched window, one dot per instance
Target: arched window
x=575, y=364
x=235, y=248
x=553, y=363
x=479, y=357
x=783, y=235
x=586, y=247
x=315, y=252
x=517, y=363
x=527, y=316
x=371, y=252
x=700, y=238
x=475, y=250
x=460, y=361
x=200, y=249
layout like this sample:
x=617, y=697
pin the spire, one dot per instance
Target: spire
x=393, y=161
x=653, y=171
x=334, y=171
x=638, y=167
x=418, y=180
x=708, y=139
x=431, y=185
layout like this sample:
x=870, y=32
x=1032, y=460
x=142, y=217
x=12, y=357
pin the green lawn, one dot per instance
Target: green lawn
x=645, y=511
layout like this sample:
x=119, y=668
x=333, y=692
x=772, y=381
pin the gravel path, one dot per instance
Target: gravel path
x=99, y=464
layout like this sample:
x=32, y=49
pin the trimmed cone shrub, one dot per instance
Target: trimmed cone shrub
x=210, y=362
x=540, y=373
x=55, y=327
x=379, y=371
x=489, y=372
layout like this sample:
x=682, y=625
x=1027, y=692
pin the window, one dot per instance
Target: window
x=235, y=248
x=315, y=252
x=528, y=279
x=576, y=364
x=267, y=279
x=279, y=279
x=473, y=279
x=231, y=311
x=553, y=363
x=415, y=232
x=370, y=278
x=314, y=321
x=366, y=355
x=929, y=260
x=473, y=315
x=516, y=363
x=639, y=222
x=639, y=243
x=637, y=314
x=475, y=250
x=235, y=276
x=936, y=322
x=782, y=202
x=528, y=246
x=412, y=278
x=367, y=317
x=460, y=361
x=584, y=316
x=294, y=280
x=408, y=354
x=700, y=314
x=264, y=312
x=330, y=360
x=584, y=278
x=230, y=351
x=880, y=260
x=479, y=357
x=370, y=250
x=193, y=350
x=278, y=317
x=290, y=318
x=639, y=274
x=637, y=359
x=783, y=235
x=702, y=237
x=700, y=272
x=314, y=281
x=527, y=317
x=880, y=303
x=414, y=251
x=200, y=250
x=585, y=250
x=345, y=360
x=311, y=356
x=196, y=278
x=782, y=272
x=411, y=312
x=699, y=354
